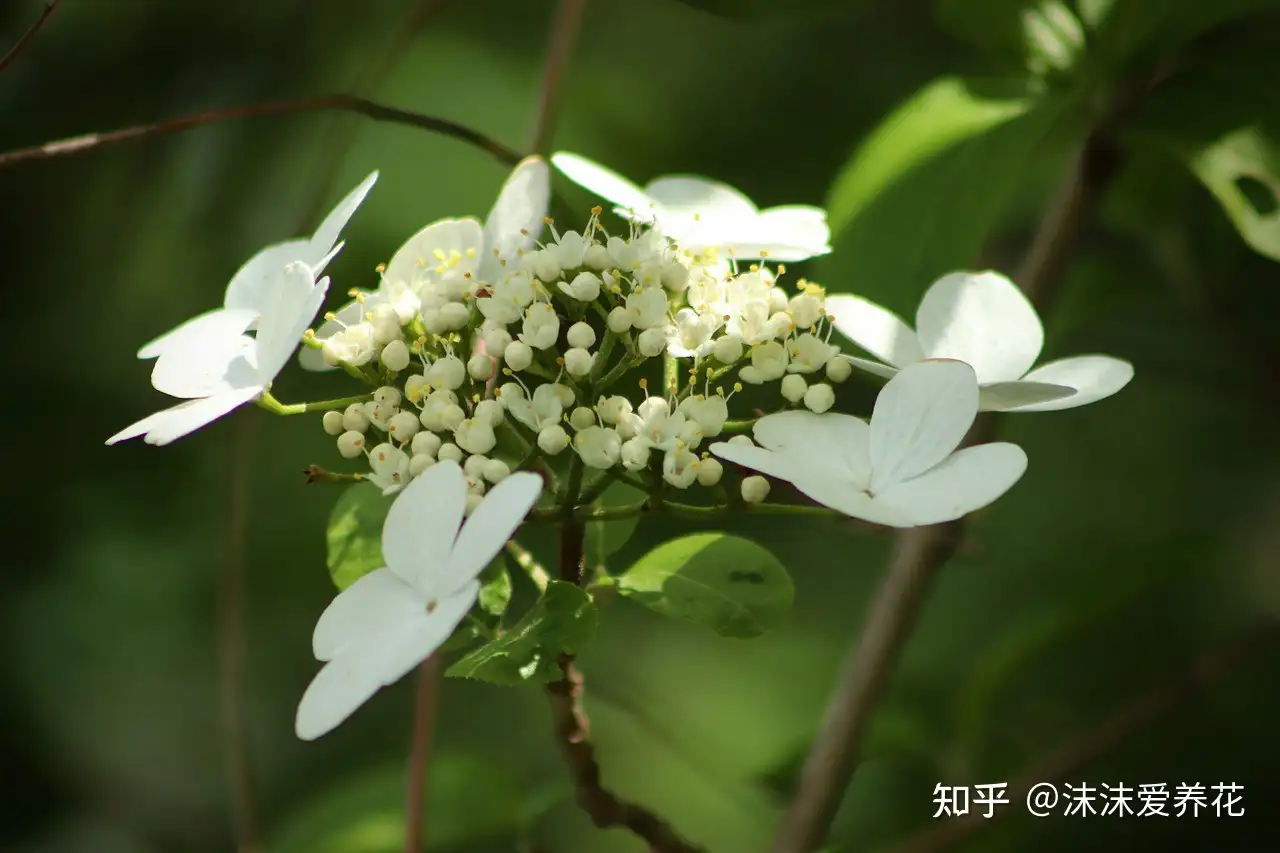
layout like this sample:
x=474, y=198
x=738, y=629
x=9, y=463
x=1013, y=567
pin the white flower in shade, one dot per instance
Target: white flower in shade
x=985, y=320
x=392, y=619
x=809, y=353
x=451, y=257
x=220, y=368
x=690, y=335
x=600, y=447
x=701, y=213
x=903, y=469
x=647, y=308
x=251, y=289
x=541, y=326
x=708, y=412
x=768, y=362
x=544, y=410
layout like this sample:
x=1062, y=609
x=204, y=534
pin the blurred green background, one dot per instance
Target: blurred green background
x=1146, y=531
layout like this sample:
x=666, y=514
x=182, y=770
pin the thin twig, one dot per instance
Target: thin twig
x=424, y=723
x=231, y=638
x=573, y=733
x=564, y=33
x=922, y=551
x=348, y=103
x=21, y=47
x=1082, y=750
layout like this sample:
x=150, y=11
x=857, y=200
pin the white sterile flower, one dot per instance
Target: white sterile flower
x=251, y=289
x=390, y=467
x=544, y=410
x=541, y=326
x=680, y=467
x=598, y=446
x=768, y=362
x=215, y=367
x=690, y=335
x=903, y=469
x=985, y=320
x=809, y=353
x=647, y=307
x=697, y=212
x=392, y=619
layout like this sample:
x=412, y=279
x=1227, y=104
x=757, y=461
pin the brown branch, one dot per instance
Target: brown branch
x=1082, y=750
x=23, y=43
x=231, y=638
x=424, y=723
x=348, y=103
x=922, y=551
x=564, y=33
x=573, y=733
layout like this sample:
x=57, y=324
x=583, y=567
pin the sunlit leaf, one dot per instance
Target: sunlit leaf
x=731, y=585
x=354, y=535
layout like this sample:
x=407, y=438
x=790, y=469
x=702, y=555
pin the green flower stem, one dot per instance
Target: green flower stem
x=568, y=498
x=597, y=486
x=617, y=372
x=271, y=404
x=670, y=374
x=525, y=560
x=602, y=359
x=316, y=474
x=739, y=427
x=617, y=513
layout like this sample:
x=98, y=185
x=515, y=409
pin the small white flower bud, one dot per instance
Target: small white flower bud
x=518, y=355
x=395, y=356
x=448, y=372
x=387, y=396
x=474, y=466
x=675, y=277
x=839, y=369
x=420, y=462
x=416, y=387
x=452, y=416
x=597, y=257
x=613, y=409
x=754, y=489
x=332, y=422
x=578, y=361
x=581, y=418
x=564, y=394
x=449, y=451
x=652, y=342
x=806, y=309
x=619, y=320
x=496, y=341
x=379, y=415
x=433, y=321
x=489, y=411
x=454, y=316
x=495, y=471
x=475, y=486
x=480, y=367
x=545, y=263
x=691, y=433
x=553, y=440
x=403, y=426
x=635, y=454
x=710, y=472
x=728, y=349
x=585, y=287
x=475, y=436
x=819, y=398
x=425, y=443
x=793, y=387
x=777, y=300
x=355, y=419
x=473, y=502
x=581, y=334
x=351, y=444
x=386, y=331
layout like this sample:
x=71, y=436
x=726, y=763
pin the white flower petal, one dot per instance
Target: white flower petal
x=982, y=319
x=606, y=183
x=422, y=252
x=1093, y=376
x=875, y=329
x=832, y=444
x=795, y=225
x=760, y=459
x=423, y=523
x=341, y=686
x=373, y=603
x=326, y=236
x=172, y=424
x=1011, y=396
x=516, y=219
x=296, y=300
x=967, y=480
x=697, y=211
x=194, y=330
x=920, y=416
x=875, y=368
x=211, y=355
x=251, y=287
x=489, y=527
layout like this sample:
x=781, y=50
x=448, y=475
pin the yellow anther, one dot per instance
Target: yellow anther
x=330, y=316
x=380, y=268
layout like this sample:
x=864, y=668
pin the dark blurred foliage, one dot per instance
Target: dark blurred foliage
x=1145, y=532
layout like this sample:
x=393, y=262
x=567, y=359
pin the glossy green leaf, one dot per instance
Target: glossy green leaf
x=921, y=195
x=605, y=537
x=731, y=585
x=495, y=588
x=563, y=620
x=354, y=535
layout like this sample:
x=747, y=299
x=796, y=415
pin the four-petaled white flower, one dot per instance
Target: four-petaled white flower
x=250, y=289
x=217, y=367
x=903, y=469
x=985, y=320
x=393, y=618
x=699, y=213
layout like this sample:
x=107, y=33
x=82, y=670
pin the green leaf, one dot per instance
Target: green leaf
x=765, y=8
x=354, y=536
x=1218, y=117
x=605, y=537
x=923, y=192
x=1130, y=33
x=729, y=584
x=495, y=588
x=563, y=620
